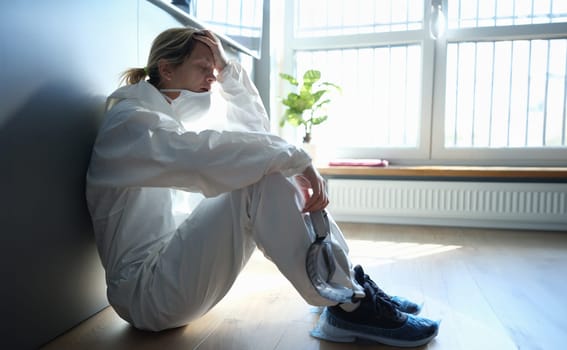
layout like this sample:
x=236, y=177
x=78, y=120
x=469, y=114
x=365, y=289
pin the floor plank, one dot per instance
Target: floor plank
x=492, y=289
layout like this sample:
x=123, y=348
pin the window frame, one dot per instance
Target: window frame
x=431, y=148
x=521, y=156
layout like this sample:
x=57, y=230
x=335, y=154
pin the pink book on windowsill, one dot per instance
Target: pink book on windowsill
x=359, y=162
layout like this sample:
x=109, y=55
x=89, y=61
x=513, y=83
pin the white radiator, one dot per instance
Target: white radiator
x=474, y=204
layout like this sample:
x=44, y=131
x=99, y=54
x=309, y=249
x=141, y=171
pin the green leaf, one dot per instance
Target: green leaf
x=317, y=95
x=311, y=77
x=339, y=89
x=306, y=103
x=321, y=104
x=293, y=118
x=319, y=120
x=289, y=78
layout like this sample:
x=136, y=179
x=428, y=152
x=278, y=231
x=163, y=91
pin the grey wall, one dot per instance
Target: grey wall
x=262, y=68
x=58, y=61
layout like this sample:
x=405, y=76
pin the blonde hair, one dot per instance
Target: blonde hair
x=173, y=45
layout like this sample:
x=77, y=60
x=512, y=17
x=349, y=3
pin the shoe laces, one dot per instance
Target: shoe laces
x=383, y=303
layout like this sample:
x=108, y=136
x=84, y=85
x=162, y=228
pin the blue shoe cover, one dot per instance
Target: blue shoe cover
x=416, y=331
x=406, y=305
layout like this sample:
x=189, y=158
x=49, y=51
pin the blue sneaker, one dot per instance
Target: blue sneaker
x=402, y=304
x=376, y=319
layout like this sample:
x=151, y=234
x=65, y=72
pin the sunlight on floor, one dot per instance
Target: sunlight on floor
x=261, y=277
x=389, y=252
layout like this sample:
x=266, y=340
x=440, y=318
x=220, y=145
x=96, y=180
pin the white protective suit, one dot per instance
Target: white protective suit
x=178, y=207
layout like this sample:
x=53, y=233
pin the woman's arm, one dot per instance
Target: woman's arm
x=146, y=149
x=245, y=107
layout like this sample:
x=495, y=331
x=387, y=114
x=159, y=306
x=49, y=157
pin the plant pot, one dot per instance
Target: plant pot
x=311, y=149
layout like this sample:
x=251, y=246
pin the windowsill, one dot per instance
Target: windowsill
x=546, y=174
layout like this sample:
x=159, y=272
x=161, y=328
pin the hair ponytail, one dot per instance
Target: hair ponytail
x=133, y=76
x=173, y=45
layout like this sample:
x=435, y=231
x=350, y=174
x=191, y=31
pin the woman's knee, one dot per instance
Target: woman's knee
x=278, y=184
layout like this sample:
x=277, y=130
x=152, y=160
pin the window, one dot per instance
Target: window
x=237, y=22
x=240, y=20
x=491, y=89
x=505, y=94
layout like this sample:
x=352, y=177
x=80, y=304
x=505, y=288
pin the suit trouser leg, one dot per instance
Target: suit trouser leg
x=200, y=263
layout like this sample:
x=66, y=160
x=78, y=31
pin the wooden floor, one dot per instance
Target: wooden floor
x=492, y=289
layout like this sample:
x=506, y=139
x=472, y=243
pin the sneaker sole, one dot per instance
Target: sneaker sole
x=326, y=331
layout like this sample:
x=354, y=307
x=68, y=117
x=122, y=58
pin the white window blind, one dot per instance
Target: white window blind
x=506, y=94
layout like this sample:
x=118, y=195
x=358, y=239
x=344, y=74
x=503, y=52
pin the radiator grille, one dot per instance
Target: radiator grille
x=514, y=205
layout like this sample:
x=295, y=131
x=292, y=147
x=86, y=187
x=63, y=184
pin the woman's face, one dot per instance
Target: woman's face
x=196, y=73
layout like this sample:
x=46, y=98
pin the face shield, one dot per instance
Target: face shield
x=321, y=262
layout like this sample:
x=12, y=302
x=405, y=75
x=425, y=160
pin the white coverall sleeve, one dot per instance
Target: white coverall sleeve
x=245, y=106
x=148, y=149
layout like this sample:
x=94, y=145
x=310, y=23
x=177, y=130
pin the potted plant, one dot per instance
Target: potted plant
x=306, y=107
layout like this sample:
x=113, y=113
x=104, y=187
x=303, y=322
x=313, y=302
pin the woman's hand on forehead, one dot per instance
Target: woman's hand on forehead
x=208, y=38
